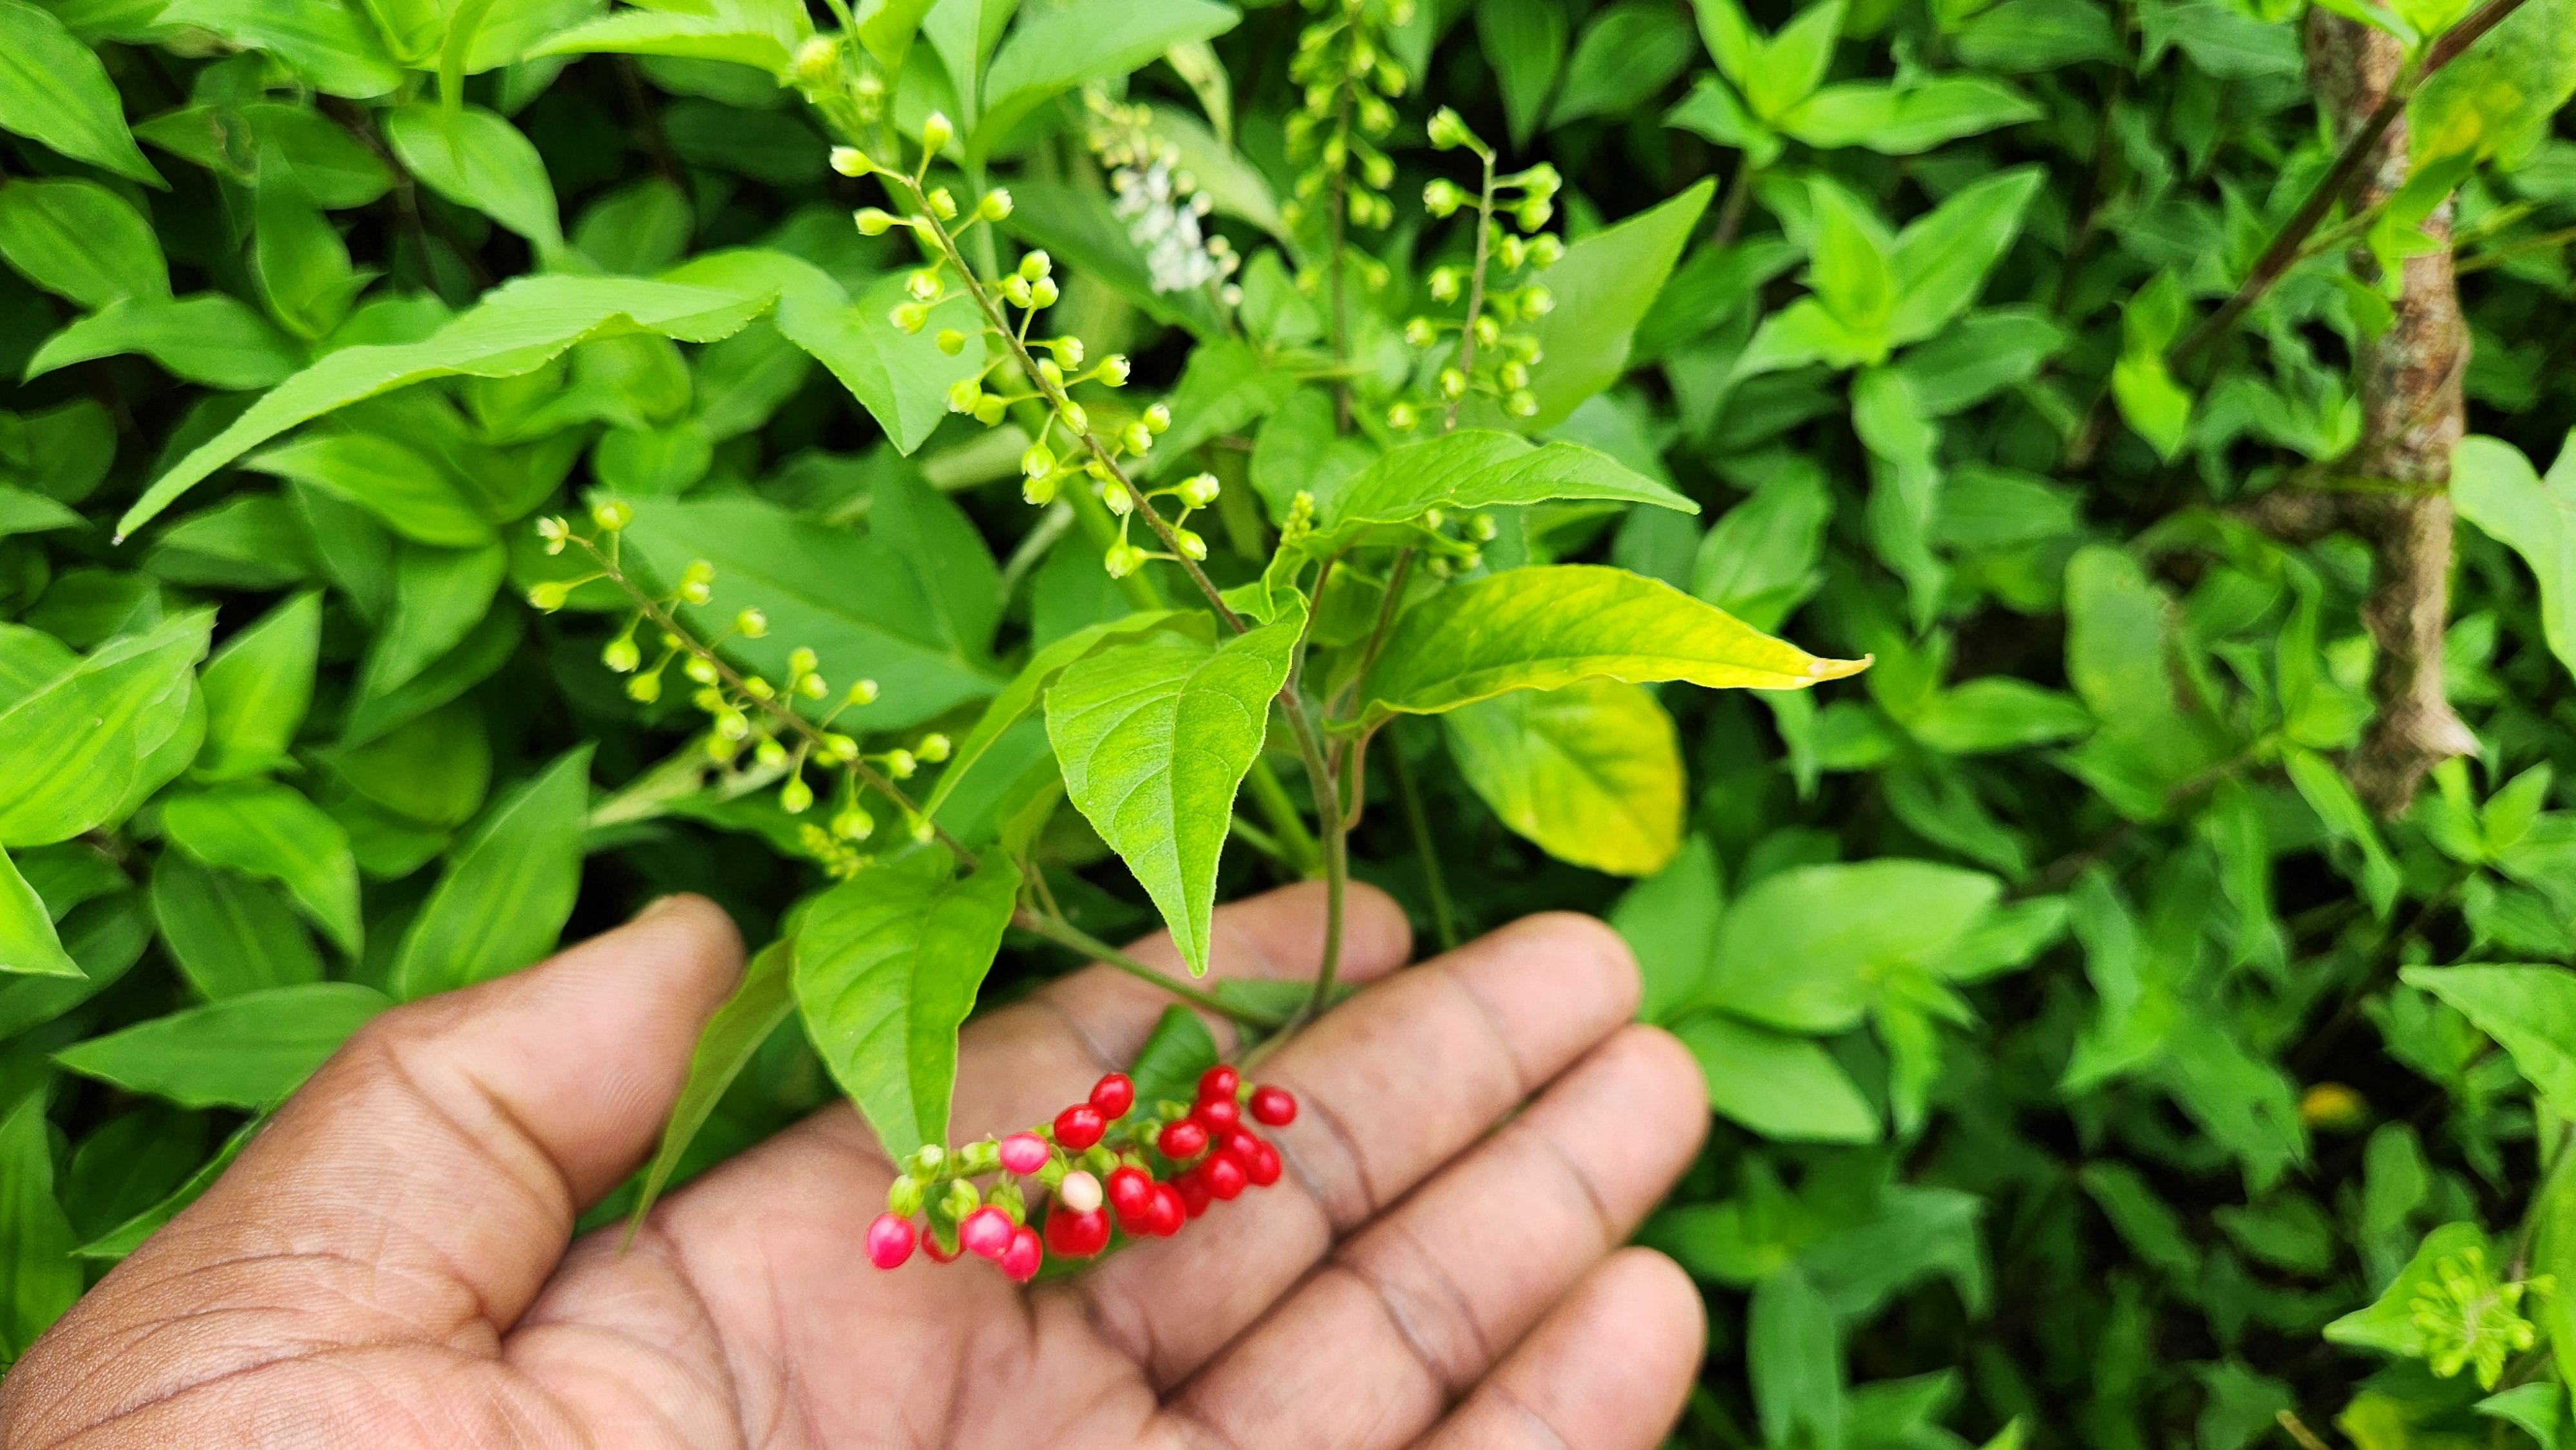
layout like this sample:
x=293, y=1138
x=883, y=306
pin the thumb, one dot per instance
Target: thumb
x=424, y=1183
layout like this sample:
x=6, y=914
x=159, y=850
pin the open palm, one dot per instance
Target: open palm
x=386, y=1265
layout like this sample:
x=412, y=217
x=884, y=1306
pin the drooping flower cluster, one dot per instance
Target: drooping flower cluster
x=1491, y=356
x=1348, y=79
x=747, y=714
x=1159, y=200
x=2470, y=1317
x=1105, y=1166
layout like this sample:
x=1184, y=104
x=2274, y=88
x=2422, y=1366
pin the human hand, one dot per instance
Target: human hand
x=386, y=1264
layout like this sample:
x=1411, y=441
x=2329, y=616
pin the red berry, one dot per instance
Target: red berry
x=1131, y=1192
x=1024, y=1152
x=1184, y=1139
x=985, y=1233
x=1218, y=1115
x=1194, y=1193
x=1260, y=1160
x=890, y=1241
x=1168, y=1213
x=1218, y=1082
x=1080, y=1126
x=1113, y=1095
x=1077, y=1235
x=938, y=1255
x=1224, y=1175
x=1274, y=1106
x=1021, y=1260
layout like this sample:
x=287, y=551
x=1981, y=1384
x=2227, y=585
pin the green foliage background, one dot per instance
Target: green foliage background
x=2081, y=1047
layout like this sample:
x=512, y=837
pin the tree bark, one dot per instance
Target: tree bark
x=2413, y=414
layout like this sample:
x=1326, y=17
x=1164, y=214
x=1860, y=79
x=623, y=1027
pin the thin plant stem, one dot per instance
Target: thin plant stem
x=1475, y=287
x=1341, y=209
x=1065, y=934
x=1739, y=196
x=1435, y=882
x=1296, y=844
x=777, y=710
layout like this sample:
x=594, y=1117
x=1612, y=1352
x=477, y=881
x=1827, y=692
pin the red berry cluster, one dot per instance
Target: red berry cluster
x=1102, y=1163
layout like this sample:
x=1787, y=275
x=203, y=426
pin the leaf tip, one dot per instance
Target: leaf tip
x=1821, y=670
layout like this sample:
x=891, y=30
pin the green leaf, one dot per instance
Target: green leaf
x=333, y=46
x=517, y=328
x=272, y=832
x=1906, y=121
x=757, y=33
x=22, y=512
x=2496, y=98
x=208, y=337
x=1539, y=628
x=303, y=265
x=39, y=1279
x=888, y=33
x=54, y=90
x=1226, y=387
x=258, y=689
x=1628, y=53
x=1155, y=738
x=1022, y=694
x=1167, y=1068
x=887, y=966
x=1759, y=561
x=1524, y=43
x=1731, y=39
x=244, y=1052
x=1794, y=60
x=2389, y=1324
x=2347, y=819
x=128, y=1236
x=725, y=1047
x=2118, y=641
x=1053, y=51
x=965, y=32
x=848, y=597
x=1943, y=258
x=79, y=240
x=104, y=939
x=1591, y=771
x=1670, y=923
x=1785, y=1088
x=397, y=483
x=2149, y=398
x=507, y=892
x=1711, y=110
x=28, y=944
x=130, y=1163
x=1793, y=1358
x=1080, y=225
x=76, y=747
x=2027, y=36
x=230, y=935
x=440, y=595
x=477, y=159
x=1808, y=950
x=2529, y=1011
x=1998, y=713
x=2495, y=487
x=1603, y=288
x=2150, y=1227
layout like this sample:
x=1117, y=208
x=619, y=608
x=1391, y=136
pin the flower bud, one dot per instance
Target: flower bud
x=989, y=409
x=925, y=1160
x=1193, y=547
x=621, y=655
x=1037, y=461
x=548, y=594
x=1537, y=302
x=1521, y=404
x=733, y=725
x=1420, y=332
x=815, y=61
x=802, y=661
x=995, y=206
x=920, y=829
x=951, y=341
x=645, y=689
x=1137, y=437
x=1507, y=253
x=854, y=824
x=890, y=1241
x=796, y=797
x=1533, y=214
x=1442, y=197
x=1449, y=131
x=903, y=1196
x=873, y=221
x=1123, y=560
x=1200, y=489
x=863, y=693
x=1453, y=384
x=963, y=395
x=1119, y=500
x=908, y=316
x=1483, y=529
x=851, y=161
x=1112, y=371
x=555, y=532
x=700, y=669
x=1158, y=418
x=943, y=204
x=1445, y=284
x=1051, y=374
x=769, y=753
x=932, y=748
x=900, y=764
x=1015, y=291
x=836, y=749
x=1403, y=418
x=1545, y=250
x=936, y=132
x=1035, y=266
x=923, y=284
x=1023, y=1153
x=612, y=515
x=1079, y=1192
x=751, y=624
x=1072, y=412
x=1039, y=491
x=1043, y=292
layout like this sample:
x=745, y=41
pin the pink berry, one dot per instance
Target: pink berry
x=1021, y=1259
x=1224, y=1175
x=1184, y=1139
x=1274, y=1106
x=1260, y=1160
x=1077, y=1235
x=1114, y=1095
x=1168, y=1212
x=1080, y=1126
x=1130, y=1191
x=1218, y=1082
x=890, y=1241
x=1079, y=1191
x=985, y=1233
x=1024, y=1152
x=1218, y=1115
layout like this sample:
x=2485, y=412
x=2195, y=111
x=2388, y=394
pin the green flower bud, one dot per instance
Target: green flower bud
x=645, y=689
x=733, y=725
x=851, y=161
x=1116, y=496
x=1512, y=375
x=995, y=206
x=769, y=753
x=1015, y=291
x=908, y=316
x=1039, y=491
x=1035, y=266
x=1521, y=404
x=1038, y=461
x=812, y=687
x=802, y=661
x=1192, y=546
x=923, y=284
x=1420, y=332
x=920, y=829
x=1042, y=292
x=1137, y=437
x=901, y=764
x=1200, y=489
x=758, y=688
x=1482, y=528
x=796, y=797
x=943, y=204
x=963, y=395
x=932, y=748
x=1158, y=418
x=1403, y=418
x=1453, y=384
x=1051, y=374
x=903, y=1196
x=1488, y=332
x=962, y=1199
x=751, y=624
x=989, y=409
x=1533, y=214
x=1123, y=560
x=936, y=132
x=611, y=515
x=862, y=693
x=854, y=824
x=701, y=669
x=925, y=1160
x=872, y=221
x=1545, y=250
x=951, y=341
x=1112, y=371
x=1537, y=302
x=1446, y=283
x=1508, y=252
x=621, y=655
x=548, y=594
x=1443, y=197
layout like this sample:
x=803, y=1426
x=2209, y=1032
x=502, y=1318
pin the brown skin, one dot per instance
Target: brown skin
x=387, y=1265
